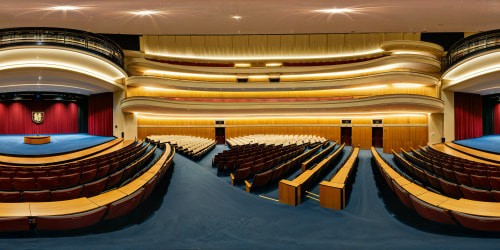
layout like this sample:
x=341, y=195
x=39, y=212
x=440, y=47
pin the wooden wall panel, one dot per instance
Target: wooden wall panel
x=362, y=136
x=405, y=132
x=139, y=91
x=201, y=128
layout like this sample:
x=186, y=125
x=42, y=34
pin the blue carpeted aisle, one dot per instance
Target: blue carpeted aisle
x=202, y=211
x=489, y=143
x=60, y=143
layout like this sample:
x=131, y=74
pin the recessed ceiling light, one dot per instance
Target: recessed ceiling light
x=65, y=7
x=336, y=10
x=145, y=12
x=236, y=17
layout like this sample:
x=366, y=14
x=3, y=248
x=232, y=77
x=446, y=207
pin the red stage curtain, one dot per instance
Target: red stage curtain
x=468, y=116
x=496, y=119
x=60, y=117
x=101, y=114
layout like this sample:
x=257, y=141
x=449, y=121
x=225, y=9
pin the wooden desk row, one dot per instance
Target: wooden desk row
x=317, y=157
x=84, y=204
x=471, y=207
x=332, y=194
x=290, y=192
x=489, y=157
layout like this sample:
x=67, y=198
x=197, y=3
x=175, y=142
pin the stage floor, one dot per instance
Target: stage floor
x=489, y=143
x=60, y=143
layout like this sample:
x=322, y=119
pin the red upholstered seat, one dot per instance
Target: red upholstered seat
x=481, y=182
x=66, y=194
x=88, y=176
x=277, y=173
x=475, y=194
x=10, y=196
x=56, y=172
x=495, y=195
x=71, y=221
x=47, y=183
x=149, y=187
x=5, y=183
x=94, y=188
x=23, y=184
x=69, y=180
x=240, y=175
x=14, y=224
x=36, y=196
x=102, y=171
x=450, y=189
x=494, y=183
x=463, y=179
x=114, y=179
x=262, y=179
x=431, y=212
x=433, y=181
x=125, y=205
x=402, y=195
x=477, y=222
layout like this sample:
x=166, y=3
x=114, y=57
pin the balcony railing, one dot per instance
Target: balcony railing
x=77, y=39
x=470, y=46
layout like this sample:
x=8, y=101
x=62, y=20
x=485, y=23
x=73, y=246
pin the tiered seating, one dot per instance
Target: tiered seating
x=478, y=154
x=275, y=175
x=86, y=211
x=291, y=192
x=269, y=139
x=332, y=193
x=77, y=179
x=477, y=215
x=193, y=147
x=452, y=179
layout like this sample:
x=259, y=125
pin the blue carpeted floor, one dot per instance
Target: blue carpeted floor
x=489, y=143
x=202, y=211
x=60, y=143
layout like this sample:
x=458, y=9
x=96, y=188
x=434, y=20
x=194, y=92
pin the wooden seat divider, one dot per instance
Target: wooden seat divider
x=290, y=192
x=332, y=194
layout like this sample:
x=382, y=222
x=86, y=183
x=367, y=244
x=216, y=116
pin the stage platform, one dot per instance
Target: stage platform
x=489, y=143
x=60, y=143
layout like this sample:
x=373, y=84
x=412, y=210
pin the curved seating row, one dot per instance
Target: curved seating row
x=313, y=160
x=54, y=189
x=249, y=169
x=272, y=139
x=477, y=215
x=332, y=193
x=453, y=184
x=274, y=175
x=494, y=158
x=72, y=177
x=291, y=192
x=85, y=211
x=191, y=146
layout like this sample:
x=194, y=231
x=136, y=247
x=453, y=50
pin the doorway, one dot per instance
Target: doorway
x=346, y=135
x=220, y=135
x=377, y=137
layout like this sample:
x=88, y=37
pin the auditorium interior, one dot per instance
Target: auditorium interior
x=190, y=124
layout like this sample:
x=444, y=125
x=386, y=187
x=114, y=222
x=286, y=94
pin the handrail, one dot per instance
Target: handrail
x=77, y=39
x=470, y=46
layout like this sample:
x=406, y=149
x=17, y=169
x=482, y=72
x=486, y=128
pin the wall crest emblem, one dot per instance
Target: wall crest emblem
x=37, y=117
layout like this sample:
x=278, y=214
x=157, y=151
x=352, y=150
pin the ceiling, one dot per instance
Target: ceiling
x=257, y=16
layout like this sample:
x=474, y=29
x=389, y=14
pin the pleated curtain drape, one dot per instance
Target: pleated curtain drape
x=100, y=114
x=468, y=116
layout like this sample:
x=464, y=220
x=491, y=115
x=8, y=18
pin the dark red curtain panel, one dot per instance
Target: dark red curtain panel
x=496, y=119
x=59, y=117
x=101, y=114
x=468, y=116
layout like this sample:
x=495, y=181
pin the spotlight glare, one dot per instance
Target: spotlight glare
x=336, y=10
x=65, y=7
x=236, y=17
x=145, y=12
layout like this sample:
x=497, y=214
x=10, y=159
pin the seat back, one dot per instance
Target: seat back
x=36, y=196
x=66, y=194
x=94, y=188
x=125, y=205
x=71, y=221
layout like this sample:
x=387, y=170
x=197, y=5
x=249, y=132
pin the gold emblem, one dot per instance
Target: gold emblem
x=37, y=117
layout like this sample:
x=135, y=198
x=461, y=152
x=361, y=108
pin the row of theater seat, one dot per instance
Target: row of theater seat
x=190, y=146
x=272, y=176
x=67, y=186
x=416, y=201
x=107, y=211
x=230, y=161
x=250, y=169
x=451, y=189
x=481, y=168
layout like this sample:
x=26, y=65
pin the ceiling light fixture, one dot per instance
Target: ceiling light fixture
x=236, y=17
x=274, y=64
x=407, y=85
x=65, y=8
x=336, y=10
x=145, y=12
